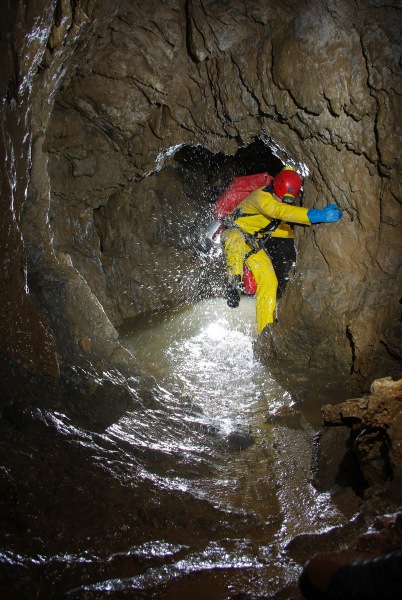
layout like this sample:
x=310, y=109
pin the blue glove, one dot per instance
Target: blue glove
x=329, y=214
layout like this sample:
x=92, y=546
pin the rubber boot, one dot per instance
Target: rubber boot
x=233, y=292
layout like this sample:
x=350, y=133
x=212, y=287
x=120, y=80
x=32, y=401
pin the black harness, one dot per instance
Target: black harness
x=255, y=240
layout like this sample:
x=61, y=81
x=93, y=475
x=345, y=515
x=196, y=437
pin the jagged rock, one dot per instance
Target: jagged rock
x=115, y=90
x=368, y=579
x=102, y=200
x=373, y=426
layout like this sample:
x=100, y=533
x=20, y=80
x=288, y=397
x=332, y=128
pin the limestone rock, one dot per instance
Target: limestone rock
x=373, y=425
x=98, y=105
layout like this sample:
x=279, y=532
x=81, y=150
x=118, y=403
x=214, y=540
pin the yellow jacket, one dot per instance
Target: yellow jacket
x=262, y=208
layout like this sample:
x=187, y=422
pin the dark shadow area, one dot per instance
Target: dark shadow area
x=196, y=163
x=92, y=401
x=349, y=471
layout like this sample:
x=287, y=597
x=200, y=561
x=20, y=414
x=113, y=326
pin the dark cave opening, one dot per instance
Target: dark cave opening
x=218, y=170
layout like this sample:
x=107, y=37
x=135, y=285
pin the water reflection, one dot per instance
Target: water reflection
x=193, y=493
x=206, y=352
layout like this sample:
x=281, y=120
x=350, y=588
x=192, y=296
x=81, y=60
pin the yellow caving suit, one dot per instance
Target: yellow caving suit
x=257, y=211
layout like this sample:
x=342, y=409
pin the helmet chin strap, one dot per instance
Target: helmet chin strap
x=288, y=199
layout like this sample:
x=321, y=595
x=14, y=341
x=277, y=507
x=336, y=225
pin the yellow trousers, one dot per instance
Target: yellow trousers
x=259, y=263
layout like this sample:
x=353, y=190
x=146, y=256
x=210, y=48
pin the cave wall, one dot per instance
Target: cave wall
x=95, y=210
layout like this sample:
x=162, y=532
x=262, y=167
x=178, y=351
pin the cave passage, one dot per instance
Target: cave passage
x=201, y=176
x=184, y=468
x=207, y=174
x=204, y=482
x=226, y=432
x=206, y=476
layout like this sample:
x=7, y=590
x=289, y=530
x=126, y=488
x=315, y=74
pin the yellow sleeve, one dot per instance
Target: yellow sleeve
x=264, y=203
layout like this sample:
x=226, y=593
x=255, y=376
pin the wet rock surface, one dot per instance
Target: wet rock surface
x=105, y=209
x=369, y=569
x=357, y=460
x=103, y=199
x=89, y=514
x=367, y=433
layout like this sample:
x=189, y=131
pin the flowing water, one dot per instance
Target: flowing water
x=194, y=493
x=258, y=466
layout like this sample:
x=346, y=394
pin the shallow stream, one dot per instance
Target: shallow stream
x=260, y=461
x=194, y=493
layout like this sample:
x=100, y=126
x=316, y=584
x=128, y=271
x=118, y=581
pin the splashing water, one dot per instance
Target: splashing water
x=205, y=351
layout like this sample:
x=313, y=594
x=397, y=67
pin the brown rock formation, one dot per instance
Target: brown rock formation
x=359, y=464
x=117, y=120
x=96, y=215
x=373, y=425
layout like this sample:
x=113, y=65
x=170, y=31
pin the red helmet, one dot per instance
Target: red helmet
x=287, y=183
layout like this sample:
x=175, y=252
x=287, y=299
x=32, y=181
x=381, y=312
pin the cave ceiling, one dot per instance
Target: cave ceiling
x=101, y=102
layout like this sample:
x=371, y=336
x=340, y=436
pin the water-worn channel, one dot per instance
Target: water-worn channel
x=192, y=494
x=261, y=465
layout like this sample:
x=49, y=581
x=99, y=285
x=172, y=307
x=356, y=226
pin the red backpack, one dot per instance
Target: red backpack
x=238, y=189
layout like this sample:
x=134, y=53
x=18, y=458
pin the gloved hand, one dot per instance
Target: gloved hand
x=329, y=214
